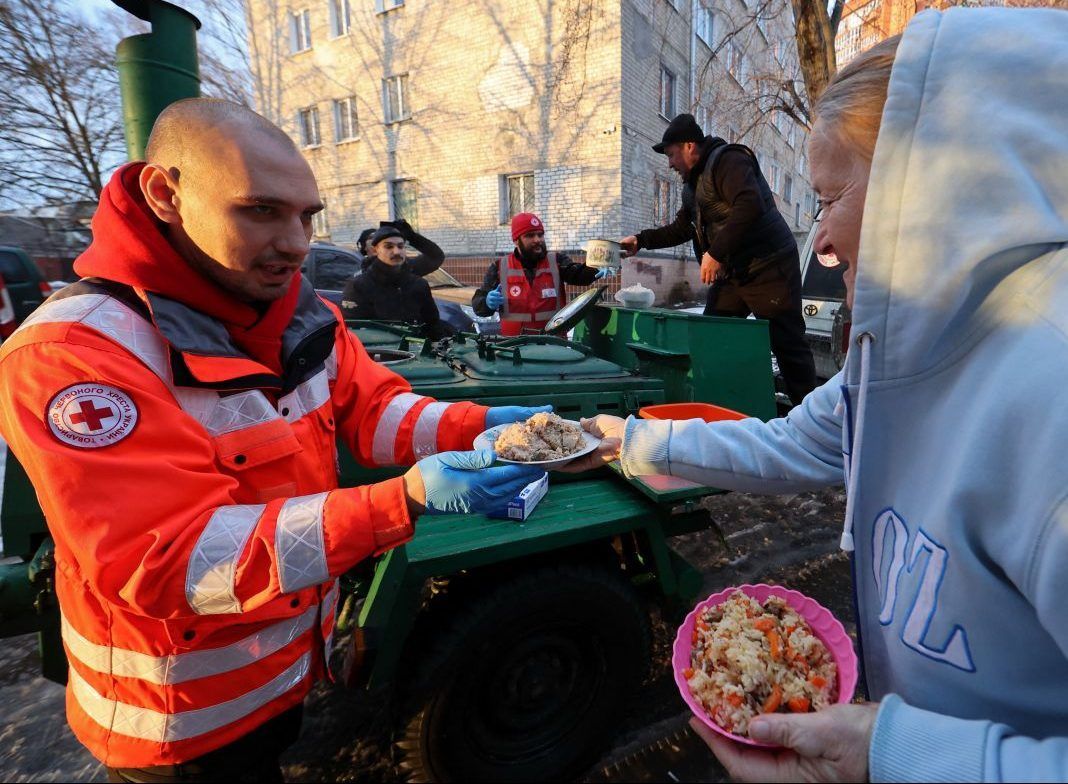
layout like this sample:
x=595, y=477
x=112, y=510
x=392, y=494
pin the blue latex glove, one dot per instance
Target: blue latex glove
x=605, y=272
x=505, y=415
x=494, y=299
x=463, y=482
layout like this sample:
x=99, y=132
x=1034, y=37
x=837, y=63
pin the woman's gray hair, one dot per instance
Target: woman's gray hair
x=851, y=108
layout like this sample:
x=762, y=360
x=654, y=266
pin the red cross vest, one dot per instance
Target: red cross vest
x=528, y=305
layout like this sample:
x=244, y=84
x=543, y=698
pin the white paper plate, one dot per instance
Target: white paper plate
x=487, y=438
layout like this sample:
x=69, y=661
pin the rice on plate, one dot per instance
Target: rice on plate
x=750, y=657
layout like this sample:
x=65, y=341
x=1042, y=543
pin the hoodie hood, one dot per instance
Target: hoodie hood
x=129, y=246
x=968, y=187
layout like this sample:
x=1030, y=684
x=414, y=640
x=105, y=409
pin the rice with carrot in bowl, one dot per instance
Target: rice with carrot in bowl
x=750, y=656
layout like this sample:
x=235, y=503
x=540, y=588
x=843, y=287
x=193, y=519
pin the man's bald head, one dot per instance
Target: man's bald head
x=183, y=133
x=235, y=193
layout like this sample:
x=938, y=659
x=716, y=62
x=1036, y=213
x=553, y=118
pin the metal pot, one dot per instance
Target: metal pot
x=603, y=253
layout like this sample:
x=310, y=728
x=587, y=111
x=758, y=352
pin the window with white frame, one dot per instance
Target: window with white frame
x=299, y=31
x=403, y=201
x=774, y=176
x=395, y=98
x=517, y=195
x=662, y=213
x=704, y=22
x=734, y=59
x=346, y=126
x=308, y=122
x=791, y=132
x=788, y=189
x=340, y=17
x=381, y=6
x=319, y=225
x=667, y=92
x=703, y=115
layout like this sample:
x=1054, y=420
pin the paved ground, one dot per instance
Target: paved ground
x=790, y=540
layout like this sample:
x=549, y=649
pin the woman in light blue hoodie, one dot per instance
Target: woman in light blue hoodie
x=948, y=424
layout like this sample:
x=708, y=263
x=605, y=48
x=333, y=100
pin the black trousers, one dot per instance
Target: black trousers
x=253, y=758
x=773, y=294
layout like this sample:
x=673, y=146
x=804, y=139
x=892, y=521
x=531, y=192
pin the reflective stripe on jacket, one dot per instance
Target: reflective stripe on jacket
x=529, y=304
x=197, y=554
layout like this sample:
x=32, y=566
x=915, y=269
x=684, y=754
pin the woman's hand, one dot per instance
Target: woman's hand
x=831, y=745
x=607, y=428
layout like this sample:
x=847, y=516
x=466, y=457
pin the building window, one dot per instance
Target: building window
x=395, y=98
x=340, y=18
x=308, y=120
x=300, y=31
x=319, y=225
x=381, y=6
x=667, y=92
x=788, y=189
x=704, y=118
x=704, y=22
x=518, y=195
x=661, y=201
x=797, y=214
x=775, y=177
x=346, y=126
x=403, y=201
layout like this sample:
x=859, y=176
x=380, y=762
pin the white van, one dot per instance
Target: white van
x=823, y=305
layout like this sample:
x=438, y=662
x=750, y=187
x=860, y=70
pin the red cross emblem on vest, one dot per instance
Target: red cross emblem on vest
x=91, y=415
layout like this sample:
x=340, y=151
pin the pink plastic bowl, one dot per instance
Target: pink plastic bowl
x=824, y=625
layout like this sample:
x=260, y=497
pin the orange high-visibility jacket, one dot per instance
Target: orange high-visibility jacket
x=192, y=494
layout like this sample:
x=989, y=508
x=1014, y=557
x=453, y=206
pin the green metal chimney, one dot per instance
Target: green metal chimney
x=157, y=68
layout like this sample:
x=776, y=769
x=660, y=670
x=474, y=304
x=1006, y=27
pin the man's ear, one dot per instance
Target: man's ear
x=160, y=189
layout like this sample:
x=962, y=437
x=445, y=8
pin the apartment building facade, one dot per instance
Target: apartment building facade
x=867, y=22
x=457, y=115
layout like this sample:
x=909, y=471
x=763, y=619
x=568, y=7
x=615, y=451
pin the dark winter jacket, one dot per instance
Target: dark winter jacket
x=728, y=211
x=385, y=293
x=572, y=272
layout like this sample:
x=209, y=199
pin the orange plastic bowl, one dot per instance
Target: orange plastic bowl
x=705, y=411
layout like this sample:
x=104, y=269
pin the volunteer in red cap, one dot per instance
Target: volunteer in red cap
x=178, y=411
x=527, y=285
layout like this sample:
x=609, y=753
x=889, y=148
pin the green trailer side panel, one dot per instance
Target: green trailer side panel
x=726, y=361
x=571, y=513
x=21, y=516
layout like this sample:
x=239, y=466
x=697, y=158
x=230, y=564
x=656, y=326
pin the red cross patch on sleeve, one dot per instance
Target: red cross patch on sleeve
x=91, y=415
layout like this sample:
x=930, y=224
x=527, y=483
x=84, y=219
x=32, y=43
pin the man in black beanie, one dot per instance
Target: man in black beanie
x=429, y=254
x=389, y=290
x=748, y=254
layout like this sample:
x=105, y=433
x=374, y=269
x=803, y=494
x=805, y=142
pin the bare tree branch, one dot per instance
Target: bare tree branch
x=61, y=126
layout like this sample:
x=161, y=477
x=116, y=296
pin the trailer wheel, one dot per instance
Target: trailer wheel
x=529, y=680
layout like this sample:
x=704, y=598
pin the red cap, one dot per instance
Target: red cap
x=524, y=223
